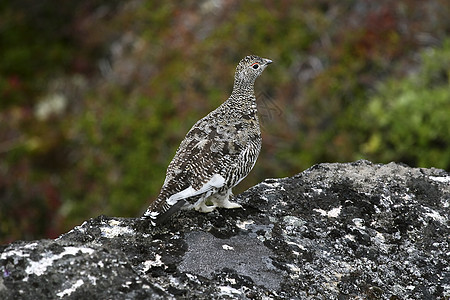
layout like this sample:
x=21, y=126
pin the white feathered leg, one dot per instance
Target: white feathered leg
x=217, y=200
x=223, y=200
x=202, y=207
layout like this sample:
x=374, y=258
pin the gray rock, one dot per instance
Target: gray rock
x=337, y=231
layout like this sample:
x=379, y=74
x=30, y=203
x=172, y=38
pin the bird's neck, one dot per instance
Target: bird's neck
x=243, y=89
x=243, y=100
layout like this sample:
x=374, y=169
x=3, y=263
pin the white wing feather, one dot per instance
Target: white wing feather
x=216, y=181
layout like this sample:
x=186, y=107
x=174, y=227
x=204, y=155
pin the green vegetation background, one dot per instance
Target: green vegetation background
x=95, y=96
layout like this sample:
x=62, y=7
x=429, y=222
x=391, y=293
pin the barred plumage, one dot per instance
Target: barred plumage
x=217, y=153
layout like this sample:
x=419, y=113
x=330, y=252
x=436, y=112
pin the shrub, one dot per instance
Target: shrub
x=409, y=120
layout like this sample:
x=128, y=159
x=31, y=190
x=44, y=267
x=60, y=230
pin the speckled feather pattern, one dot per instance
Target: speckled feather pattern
x=225, y=142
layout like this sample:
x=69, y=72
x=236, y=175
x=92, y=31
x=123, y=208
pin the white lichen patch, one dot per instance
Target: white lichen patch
x=227, y=247
x=317, y=191
x=148, y=264
x=386, y=201
x=332, y=213
x=295, y=271
x=114, y=230
x=243, y=224
x=228, y=291
x=446, y=288
x=436, y=216
x=442, y=179
x=293, y=221
x=30, y=246
x=276, y=185
x=380, y=241
x=193, y=278
x=273, y=184
x=92, y=279
x=16, y=254
x=350, y=237
x=231, y=280
x=19, y=253
x=264, y=198
x=358, y=222
x=114, y=223
x=48, y=258
x=296, y=244
x=69, y=291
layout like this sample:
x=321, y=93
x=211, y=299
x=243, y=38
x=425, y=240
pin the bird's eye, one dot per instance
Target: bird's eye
x=255, y=66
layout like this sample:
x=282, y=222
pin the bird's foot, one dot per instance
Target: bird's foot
x=202, y=207
x=228, y=204
x=223, y=200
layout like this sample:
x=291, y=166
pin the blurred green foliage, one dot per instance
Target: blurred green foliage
x=409, y=119
x=97, y=95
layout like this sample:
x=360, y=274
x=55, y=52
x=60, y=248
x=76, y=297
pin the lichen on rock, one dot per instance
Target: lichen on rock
x=353, y=230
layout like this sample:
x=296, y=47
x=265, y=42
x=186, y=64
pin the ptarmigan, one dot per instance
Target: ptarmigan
x=217, y=153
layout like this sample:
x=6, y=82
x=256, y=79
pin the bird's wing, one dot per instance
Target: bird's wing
x=245, y=161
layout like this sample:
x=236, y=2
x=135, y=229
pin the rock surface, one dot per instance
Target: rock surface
x=337, y=231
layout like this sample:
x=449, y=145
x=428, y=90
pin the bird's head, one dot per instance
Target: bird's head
x=249, y=68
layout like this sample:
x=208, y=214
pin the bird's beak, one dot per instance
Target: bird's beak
x=267, y=61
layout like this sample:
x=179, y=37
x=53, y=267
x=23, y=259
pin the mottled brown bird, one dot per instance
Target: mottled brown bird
x=217, y=153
